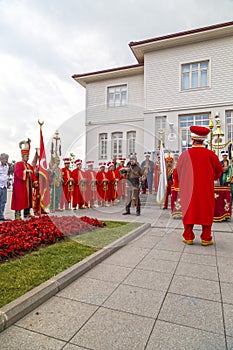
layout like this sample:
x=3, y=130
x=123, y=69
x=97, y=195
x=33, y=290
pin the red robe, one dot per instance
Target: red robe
x=22, y=187
x=197, y=168
x=91, y=186
x=79, y=189
x=66, y=188
x=121, y=188
x=112, y=183
x=102, y=186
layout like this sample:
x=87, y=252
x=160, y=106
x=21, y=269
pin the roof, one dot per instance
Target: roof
x=111, y=73
x=139, y=48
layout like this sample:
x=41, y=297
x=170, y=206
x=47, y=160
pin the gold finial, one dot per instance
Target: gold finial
x=40, y=122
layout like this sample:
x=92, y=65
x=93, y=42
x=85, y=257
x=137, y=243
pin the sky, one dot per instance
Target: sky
x=44, y=42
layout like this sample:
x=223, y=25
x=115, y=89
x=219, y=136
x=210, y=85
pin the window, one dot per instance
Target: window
x=117, y=139
x=131, y=139
x=103, y=138
x=160, y=126
x=185, y=121
x=195, y=75
x=229, y=125
x=117, y=95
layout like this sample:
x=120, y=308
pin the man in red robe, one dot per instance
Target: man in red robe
x=112, y=184
x=91, y=183
x=121, y=188
x=24, y=180
x=80, y=186
x=67, y=184
x=102, y=185
x=197, y=168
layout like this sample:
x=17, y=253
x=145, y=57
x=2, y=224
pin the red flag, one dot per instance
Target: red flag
x=43, y=176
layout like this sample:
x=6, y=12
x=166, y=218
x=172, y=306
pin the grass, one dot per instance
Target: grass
x=19, y=276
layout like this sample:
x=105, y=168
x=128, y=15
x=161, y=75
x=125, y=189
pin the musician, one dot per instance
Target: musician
x=80, y=186
x=121, y=192
x=133, y=174
x=67, y=186
x=91, y=183
x=169, y=172
x=24, y=181
x=148, y=169
x=102, y=185
x=225, y=178
x=156, y=173
x=112, y=184
x=56, y=181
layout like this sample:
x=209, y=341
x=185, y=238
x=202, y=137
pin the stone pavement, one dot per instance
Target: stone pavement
x=154, y=293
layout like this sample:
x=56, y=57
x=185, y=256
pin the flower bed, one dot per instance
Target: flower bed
x=18, y=237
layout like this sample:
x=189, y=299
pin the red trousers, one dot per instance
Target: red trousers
x=189, y=235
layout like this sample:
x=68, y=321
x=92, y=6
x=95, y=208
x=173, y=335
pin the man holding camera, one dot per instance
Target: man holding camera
x=133, y=174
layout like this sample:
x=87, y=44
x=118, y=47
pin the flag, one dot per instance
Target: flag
x=43, y=176
x=162, y=177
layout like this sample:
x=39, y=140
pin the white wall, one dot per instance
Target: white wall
x=162, y=75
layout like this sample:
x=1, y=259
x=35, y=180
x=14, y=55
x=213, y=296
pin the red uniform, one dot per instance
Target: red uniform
x=79, y=189
x=156, y=175
x=91, y=186
x=121, y=188
x=197, y=168
x=22, y=187
x=66, y=187
x=102, y=187
x=112, y=185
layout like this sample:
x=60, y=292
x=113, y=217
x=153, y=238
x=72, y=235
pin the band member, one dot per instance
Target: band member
x=121, y=176
x=56, y=182
x=80, y=186
x=156, y=173
x=91, y=183
x=112, y=184
x=133, y=174
x=102, y=185
x=196, y=171
x=148, y=169
x=24, y=181
x=169, y=172
x=67, y=186
x=225, y=178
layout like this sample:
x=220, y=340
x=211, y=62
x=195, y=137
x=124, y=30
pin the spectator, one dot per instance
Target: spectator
x=4, y=168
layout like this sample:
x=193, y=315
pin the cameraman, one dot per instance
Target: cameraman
x=133, y=174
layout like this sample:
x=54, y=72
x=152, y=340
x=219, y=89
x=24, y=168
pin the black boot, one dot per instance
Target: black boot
x=126, y=213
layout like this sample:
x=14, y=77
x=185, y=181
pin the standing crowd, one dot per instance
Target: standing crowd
x=194, y=172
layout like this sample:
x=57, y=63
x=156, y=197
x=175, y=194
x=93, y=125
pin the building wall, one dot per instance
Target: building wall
x=92, y=139
x=163, y=76
x=103, y=119
x=96, y=98
x=163, y=94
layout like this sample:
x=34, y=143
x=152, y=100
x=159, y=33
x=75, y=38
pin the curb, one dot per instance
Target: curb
x=15, y=310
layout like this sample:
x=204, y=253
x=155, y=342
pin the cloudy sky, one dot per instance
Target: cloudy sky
x=44, y=42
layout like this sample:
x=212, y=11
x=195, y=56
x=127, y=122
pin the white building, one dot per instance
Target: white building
x=179, y=80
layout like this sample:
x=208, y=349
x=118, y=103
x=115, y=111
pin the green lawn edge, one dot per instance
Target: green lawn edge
x=22, y=275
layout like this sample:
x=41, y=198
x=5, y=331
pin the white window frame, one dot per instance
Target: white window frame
x=131, y=142
x=117, y=144
x=119, y=94
x=160, y=128
x=229, y=124
x=103, y=145
x=191, y=70
x=200, y=119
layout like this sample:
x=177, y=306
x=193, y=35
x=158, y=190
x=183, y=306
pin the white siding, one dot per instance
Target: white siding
x=162, y=76
x=96, y=97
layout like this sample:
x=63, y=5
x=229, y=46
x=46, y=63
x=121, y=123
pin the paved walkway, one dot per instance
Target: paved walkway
x=154, y=293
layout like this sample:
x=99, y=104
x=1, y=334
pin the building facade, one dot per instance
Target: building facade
x=179, y=80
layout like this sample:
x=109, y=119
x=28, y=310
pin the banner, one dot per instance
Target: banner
x=162, y=177
x=43, y=176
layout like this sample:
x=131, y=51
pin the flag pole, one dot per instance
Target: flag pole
x=40, y=122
